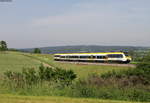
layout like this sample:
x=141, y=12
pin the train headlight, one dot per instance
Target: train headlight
x=129, y=58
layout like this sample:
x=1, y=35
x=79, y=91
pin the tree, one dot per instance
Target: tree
x=37, y=50
x=3, y=46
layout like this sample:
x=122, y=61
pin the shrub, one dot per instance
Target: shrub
x=64, y=76
x=140, y=74
x=30, y=76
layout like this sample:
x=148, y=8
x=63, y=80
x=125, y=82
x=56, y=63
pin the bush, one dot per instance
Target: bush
x=140, y=74
x=109, y=92
x=30, y=76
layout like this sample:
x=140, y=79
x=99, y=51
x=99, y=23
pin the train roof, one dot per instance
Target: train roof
x=89, y=53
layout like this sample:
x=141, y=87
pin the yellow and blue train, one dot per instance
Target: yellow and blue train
x=119, y=57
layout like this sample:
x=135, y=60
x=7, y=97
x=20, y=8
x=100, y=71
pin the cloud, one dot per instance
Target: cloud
x=97, y=13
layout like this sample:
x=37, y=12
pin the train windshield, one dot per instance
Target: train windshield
x=115, y=56
x=126, y=54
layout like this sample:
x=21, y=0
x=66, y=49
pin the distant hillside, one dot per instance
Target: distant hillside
x=83, y=48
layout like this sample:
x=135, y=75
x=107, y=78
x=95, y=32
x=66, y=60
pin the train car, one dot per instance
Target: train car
x=119, y=57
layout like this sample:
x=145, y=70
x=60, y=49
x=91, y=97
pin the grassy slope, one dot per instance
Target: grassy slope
x=81, y=70
x=15, y=62
x=40, y=99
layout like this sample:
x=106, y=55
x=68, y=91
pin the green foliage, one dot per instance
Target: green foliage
x=132, y=84
x=141, y=73
x=129, y=94
x=3, y=46
x=46, y=73
x=30, y=76
x=146, y=57
x=56, y=74
x=65, y=76
x=120, y=84
x=37, y=50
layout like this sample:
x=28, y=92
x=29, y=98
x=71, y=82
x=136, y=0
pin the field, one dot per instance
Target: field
x=81, y=70
x=15, y=61
x=45, y=99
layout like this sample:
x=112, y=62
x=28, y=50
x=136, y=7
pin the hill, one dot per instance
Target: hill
x=85, y=48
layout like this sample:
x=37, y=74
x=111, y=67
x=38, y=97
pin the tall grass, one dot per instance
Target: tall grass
x=51, y=82
x=82, y=91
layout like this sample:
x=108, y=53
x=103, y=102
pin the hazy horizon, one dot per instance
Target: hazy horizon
x=32, y=23
x=84, y=45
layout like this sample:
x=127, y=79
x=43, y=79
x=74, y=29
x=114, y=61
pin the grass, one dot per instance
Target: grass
x=40, y=99
x=15, y=61
x=80, y=69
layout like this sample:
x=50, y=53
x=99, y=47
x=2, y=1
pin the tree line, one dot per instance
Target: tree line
x=3, y=47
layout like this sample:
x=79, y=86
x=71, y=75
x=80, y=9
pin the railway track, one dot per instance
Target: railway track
x=91, y=63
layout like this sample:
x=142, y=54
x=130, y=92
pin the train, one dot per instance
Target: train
x=105, y=57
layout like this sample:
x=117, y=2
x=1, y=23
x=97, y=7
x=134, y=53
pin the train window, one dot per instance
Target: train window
x=93, y=56
x=98, y=57
x=85, y=56
x=126, y=54
x=82, y=56
x=56, y=55
x=115, y=56
x=75, y=56
x=63, y=57
x=120, y=56
x=88, y=56
x=104, y=57
x=101, y=57
x=72, y=56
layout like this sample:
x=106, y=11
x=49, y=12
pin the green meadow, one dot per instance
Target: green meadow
x=16, y=61
x=81, y=70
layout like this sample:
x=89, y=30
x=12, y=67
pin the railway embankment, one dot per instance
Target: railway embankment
x=107, y=64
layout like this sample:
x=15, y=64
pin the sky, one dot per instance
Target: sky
x=41, y=23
